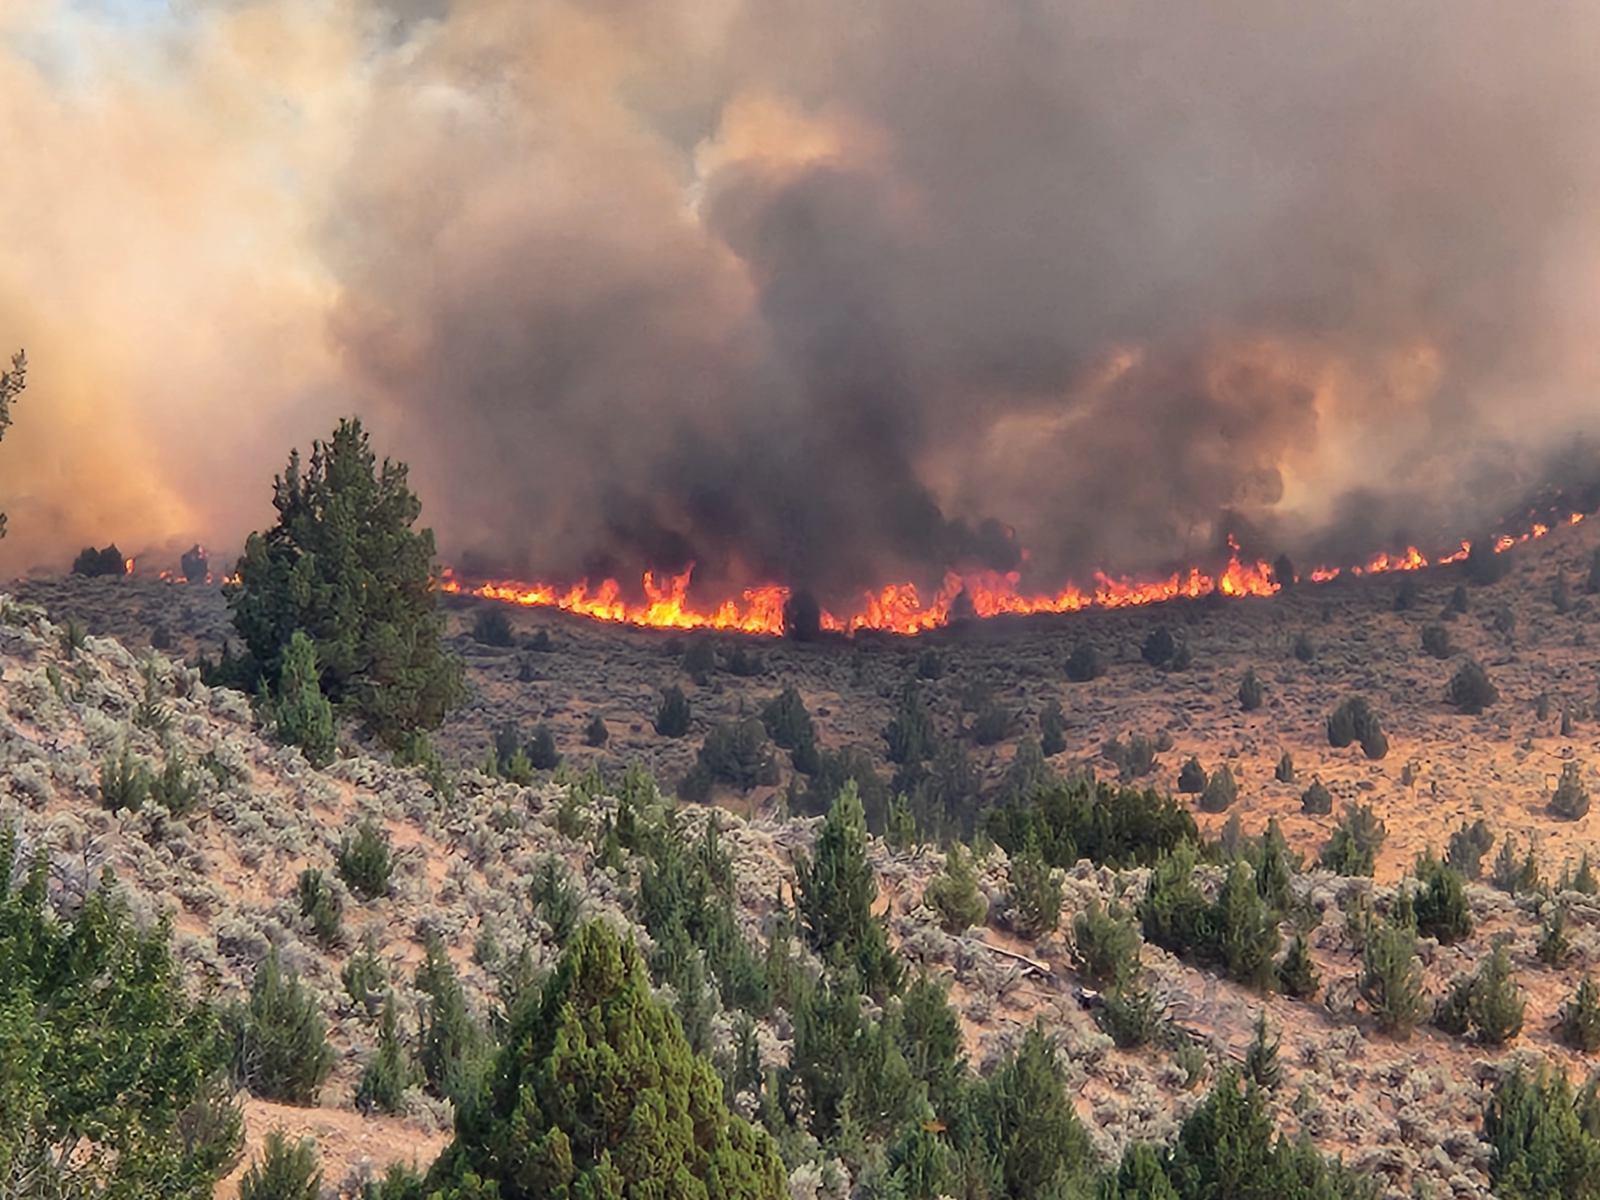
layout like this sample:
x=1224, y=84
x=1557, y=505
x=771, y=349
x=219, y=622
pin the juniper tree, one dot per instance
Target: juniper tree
x=1570, y=801
x=1580, y=1017
x=597, y=1093
x=1484, y=565
x=1284, y=771
x=1022, y=1129
x=1035, y=894
x=124, y=782
x=1261, y=1065
x=1080, y=818
x=672, y=715
x=992, y=723
x=1130, y=1013
x=836, y=888
x=1220, y=791
x=1134, y=757
x=1247, y=931
x=1489, y=1003
x=1440, y=903
x=1560, y=593
x=1316, y=800
x=1139, y=1175
x=301, y=715
x=389, y=1071
x=1470, y=688
x=1275, y=868
x=1436, y=641
x=103, y=562
x=541, y=749
x=320, y=906
x=365, y=862
x=110, y=1084
x=175, y=788
x=450, y=1043
x=791, y=728
x=1159, y=646
x=910, y=733
x=1540, y=1145
x=736, y=753
x=1353, y=848
x=1297, y=973
x=1052, y=729
x=279, y=1038
x=1505, y=621
x=1105, y=944
x=928, y=1033
x=1554, y=946
x=283, y=1171
x=1391, y=977
x=491, y=627
x=1085, y=663
x=344, y=566
x=954, y=894
x=900, y=826
x=1514, y=873
x=1191, y=777
x=1355, y=721
x=1251, y=693
x=1227, y=1148
x=364, y=977
x=1584, y=880
x=1173, y=912
x=1467, y=845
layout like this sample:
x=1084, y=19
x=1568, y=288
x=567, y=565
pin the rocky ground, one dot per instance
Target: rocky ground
x=225, y=875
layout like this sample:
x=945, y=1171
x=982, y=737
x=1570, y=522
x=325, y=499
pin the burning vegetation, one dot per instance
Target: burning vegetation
x=900, y=608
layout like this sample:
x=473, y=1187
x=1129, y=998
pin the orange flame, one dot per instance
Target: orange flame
x=900, y=607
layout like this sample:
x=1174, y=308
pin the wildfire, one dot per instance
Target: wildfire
x=901, y=608
x=665, y=606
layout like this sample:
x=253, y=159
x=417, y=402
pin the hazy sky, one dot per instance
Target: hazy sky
x=810, y=290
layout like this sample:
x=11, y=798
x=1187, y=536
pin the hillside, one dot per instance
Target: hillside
x=1442, y=767
x=1408, y=1112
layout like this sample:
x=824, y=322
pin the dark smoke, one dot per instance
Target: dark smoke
x=824, y=297
x=840, y=294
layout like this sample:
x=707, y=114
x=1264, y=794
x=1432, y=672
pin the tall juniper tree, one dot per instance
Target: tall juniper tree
x=344, y=566
x=596, y=1093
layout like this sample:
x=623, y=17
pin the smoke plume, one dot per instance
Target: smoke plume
x=806, y=292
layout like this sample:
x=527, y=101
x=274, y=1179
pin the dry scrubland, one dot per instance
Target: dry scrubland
x=1501, y=765
x=1409, y=1111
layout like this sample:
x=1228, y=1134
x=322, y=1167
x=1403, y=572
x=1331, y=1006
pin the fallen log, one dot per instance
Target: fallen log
x=1041, y=968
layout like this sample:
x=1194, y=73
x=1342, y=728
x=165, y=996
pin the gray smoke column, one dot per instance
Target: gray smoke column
x=838, y=294
x=818, y=293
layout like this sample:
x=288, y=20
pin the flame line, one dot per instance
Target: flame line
x=899, y=608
